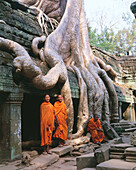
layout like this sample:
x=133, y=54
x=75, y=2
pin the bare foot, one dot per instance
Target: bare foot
x=60, y=145
x=49, y=152
x=65, y=144
x=44, y=153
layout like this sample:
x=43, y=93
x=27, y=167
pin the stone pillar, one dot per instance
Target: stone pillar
x=120, y=110
x=132, y=112
x=10, y=143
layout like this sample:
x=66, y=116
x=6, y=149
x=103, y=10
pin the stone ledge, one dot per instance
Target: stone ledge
x=86, y=161
x=42, y=161
x=62, y=150
x=116, y=165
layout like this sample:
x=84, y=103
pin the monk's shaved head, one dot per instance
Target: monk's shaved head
x=96, y=117
x=60, y=98
x=47, y=98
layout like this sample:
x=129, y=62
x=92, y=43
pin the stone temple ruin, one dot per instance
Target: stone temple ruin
x=20, y=100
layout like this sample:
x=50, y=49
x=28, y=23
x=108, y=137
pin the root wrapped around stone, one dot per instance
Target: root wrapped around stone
x=68, y=47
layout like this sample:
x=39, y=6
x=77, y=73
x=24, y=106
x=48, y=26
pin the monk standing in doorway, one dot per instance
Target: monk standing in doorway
x=95, y=128
x=60, y=112
x=47, y=123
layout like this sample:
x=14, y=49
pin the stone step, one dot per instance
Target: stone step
x=102, y=154
x=121, y=146
x=42, y=161
x=86, y=161
x=132, y=149
x=130, y=129
x=116, y=156
x=62, y=150
x=89, y=169
x=116, y=164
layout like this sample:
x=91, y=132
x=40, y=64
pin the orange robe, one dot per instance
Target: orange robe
x=61, y=113
x=97, y=136
x=47, y=119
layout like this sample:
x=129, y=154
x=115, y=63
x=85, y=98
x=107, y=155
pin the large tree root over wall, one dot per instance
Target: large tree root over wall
x=68, y=48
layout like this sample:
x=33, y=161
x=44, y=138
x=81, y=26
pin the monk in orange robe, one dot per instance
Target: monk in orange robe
x=60, y=119
x=95, y=128
x=47, y=123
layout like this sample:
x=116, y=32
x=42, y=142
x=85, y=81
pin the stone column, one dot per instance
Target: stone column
x=120, y=110
x=132, y=112
x=11, y=127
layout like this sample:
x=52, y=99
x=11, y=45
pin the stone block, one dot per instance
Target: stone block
x=114, y=164
x=62, y=150
x=132, y=149
x=116, y=156
x=130, y=130
x=86, y=161
x=102, y=154
x=43, y=161
x=121, y=146
x=89, y=169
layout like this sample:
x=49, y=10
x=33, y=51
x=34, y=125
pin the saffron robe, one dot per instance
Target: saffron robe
x=47, y=119
x=97, y=136
x=61, y=113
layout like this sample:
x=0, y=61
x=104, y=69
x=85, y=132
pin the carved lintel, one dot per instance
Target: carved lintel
x=15, y=98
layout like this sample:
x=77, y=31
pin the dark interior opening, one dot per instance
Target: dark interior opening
x=124, y=108
x=4, y=127
x=30, y=117
x=75, y=104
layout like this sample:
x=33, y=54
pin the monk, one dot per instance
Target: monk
x=95, y=128
x=47, y=124
x=60, y=119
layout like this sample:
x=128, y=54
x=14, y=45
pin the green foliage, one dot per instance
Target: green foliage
x=121, y=42
x=104, y=40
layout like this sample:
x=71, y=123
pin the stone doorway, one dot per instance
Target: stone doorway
x=30, y=117
x=30, y=120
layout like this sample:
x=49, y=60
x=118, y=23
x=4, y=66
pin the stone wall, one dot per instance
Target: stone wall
x=19, y=24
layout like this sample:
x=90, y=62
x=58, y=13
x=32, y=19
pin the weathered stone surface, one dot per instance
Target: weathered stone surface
x=118, y=151
x=11, y=167
x=86, y=161
x=130, y=130
x=121, y=146
x=133, y=138
x=132, y=149
x=130, y=154
x=114, y=164
x=64, y=163
x=89, y=169
x=43, y=161
x=76, y=153
x=62, y=150
x=10, y=127
x=130, y=160
x=102, y=154
x=117, y=156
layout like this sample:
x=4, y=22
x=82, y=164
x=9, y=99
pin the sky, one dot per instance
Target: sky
x=107, y=13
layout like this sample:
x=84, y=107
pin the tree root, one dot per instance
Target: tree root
x=70, y=39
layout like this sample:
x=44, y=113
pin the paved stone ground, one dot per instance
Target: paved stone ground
x=64, y=163
x=67, y=161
